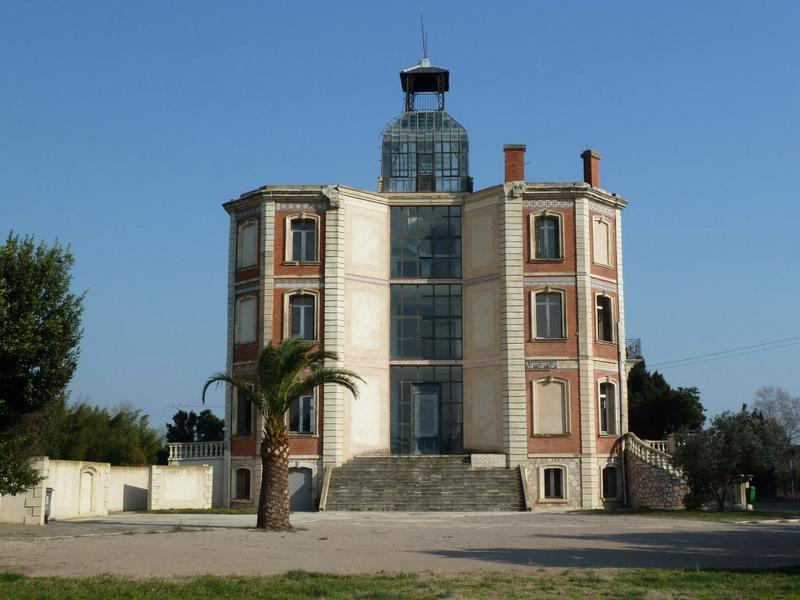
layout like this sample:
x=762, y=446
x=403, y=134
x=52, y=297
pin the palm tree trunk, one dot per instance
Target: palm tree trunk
x=273, y=502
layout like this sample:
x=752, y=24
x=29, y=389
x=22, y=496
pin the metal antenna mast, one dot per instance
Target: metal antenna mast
x=424, y=37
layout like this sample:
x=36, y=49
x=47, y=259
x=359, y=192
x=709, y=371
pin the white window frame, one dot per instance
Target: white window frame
x=564, y=483
x=613, y=311
x=532, y=235
x=616, y=496
x=614, y=420
x=565, y=409
x=532, y=302
x=235, y=482
x=237, y=339
x=235, y=414
x=239, y=239
x=609, y=241
x=314, y=419
x=287, y=312
x=288, y=238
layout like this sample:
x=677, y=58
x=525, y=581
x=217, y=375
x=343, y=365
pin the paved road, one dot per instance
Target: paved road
x=148, y=545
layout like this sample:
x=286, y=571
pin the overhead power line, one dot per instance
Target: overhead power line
x=730, y=353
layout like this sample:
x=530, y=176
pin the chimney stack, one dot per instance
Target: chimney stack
x=591, y=167
x=515, y=162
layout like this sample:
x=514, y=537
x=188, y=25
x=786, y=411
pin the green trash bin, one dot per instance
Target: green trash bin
x=751, y=495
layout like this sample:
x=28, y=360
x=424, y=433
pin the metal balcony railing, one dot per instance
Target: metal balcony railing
x=633, y=348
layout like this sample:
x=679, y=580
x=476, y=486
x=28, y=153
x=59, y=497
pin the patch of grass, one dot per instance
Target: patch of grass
x=539, y=583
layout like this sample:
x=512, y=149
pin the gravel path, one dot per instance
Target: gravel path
x=139, y=545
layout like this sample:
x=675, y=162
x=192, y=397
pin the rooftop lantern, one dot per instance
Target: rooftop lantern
x=425, y=149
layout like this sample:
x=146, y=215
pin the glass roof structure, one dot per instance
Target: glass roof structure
x=425, y=149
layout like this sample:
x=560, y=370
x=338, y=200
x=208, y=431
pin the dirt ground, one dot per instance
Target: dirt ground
x=140, y=545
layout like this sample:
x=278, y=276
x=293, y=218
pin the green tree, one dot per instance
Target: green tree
x=183, y=427
x=39, y=334
x=210, y=428
x=191, y=427
x=655, y=410
x=120, y=436
x=735, y=445
x=284, y=372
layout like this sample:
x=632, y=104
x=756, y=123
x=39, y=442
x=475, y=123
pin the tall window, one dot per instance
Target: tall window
x=245, y=330
x=242, y=484
x=608, y=410
x=553, y=484
x=426, y=321
x=605, y=320
x=426, y=241
x=548, y=237
x=304, y=240
x=302, y=309
x=601, y=241
x=610, y=483
x=244, y=413
x=303, y=415
x=247, y=244
x=549, y=315
x=550, y=407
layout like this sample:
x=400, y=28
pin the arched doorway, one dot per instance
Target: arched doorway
x=86, y=505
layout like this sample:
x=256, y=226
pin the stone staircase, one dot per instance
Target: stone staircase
x=422, y=483
x=653, y=480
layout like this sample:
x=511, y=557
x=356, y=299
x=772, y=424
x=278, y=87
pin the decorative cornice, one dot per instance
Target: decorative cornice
x=547, y=364
x=548, y=203
x=549, y=280
x=606, y=286
x=603, y=209
x=317, y=206
x=298, y=283
x=332, y=193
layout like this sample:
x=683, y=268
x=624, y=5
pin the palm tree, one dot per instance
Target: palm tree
x=292, y=368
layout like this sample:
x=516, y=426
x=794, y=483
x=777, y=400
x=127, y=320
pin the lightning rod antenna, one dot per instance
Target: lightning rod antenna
x=424, y=37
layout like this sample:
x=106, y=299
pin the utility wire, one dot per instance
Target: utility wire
x=676, y=364
x=691, y=358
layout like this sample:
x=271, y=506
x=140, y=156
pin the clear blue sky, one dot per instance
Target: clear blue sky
x=124, y=126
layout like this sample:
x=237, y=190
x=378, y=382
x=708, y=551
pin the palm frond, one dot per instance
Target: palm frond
x=344, y=377
x=242, y=387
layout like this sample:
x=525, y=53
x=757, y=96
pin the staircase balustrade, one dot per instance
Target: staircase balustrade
x=651, y=452
x=195, y=450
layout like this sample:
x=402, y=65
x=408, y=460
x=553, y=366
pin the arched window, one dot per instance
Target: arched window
x=302, y=308
x=548, y=321
x=546, y=236
x=601, y=241
x=242, y=490
x=607, y=398
x=550, y=407
x=553, y=483
x=243, y=408
x=247, y=244
x=610, y=483
x=302, y=238
x=604, y=316
x=245, y=330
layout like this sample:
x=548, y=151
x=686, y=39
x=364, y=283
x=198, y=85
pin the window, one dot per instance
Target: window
x=601, y=241
x=303, y=415
x=610, y=483
x=247, y=244
x=304, y=240
x=244, y=413
x=242, y=484
x=550, y=407
x=549, y=321
x=553, y=483
x=302, y=309
x=426, y=241
x=608, y=410
x=546, y=232
x=605, y=320
x=426, y=321
x=245, y=330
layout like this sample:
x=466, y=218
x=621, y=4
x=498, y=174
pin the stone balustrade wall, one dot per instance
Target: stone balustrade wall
x=653, y=487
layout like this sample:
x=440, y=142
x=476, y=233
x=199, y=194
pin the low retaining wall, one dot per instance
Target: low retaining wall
x=180, y=487
x=80, y=489
x=653, y=487
x=127, y=488
x=26, y=508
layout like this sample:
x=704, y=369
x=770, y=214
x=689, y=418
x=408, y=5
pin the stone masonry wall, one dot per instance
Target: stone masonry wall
x=652, y=487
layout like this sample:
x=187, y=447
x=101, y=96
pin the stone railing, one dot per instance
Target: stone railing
x=196, y=450
x=662, y=445
x=648, y=453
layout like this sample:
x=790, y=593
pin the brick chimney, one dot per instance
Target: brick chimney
x=515, y=162
x=591, y=167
